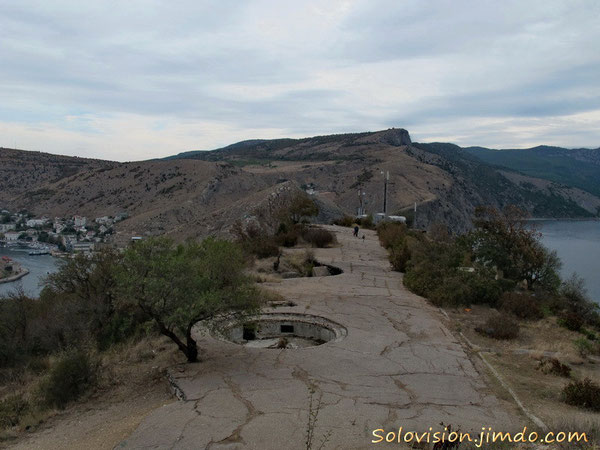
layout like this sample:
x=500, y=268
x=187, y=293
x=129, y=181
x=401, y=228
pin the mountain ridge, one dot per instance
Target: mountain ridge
x=199, y=193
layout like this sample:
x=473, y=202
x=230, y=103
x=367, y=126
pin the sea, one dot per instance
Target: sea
x=577, y=243
x=39, y=267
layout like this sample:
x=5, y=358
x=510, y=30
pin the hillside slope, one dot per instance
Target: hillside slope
x=199, y=193
x=23, y=171
x=572, y=167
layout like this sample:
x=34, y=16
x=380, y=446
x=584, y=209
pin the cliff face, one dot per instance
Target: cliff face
x=200, y=193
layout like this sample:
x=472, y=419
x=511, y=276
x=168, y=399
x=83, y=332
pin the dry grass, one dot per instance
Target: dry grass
x=130, y=381
x=540, y=392
x=292, y=260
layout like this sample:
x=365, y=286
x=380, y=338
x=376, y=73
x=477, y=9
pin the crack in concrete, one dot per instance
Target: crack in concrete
x=252, y=412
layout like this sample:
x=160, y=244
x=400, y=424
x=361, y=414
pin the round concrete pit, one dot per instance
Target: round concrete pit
x=279, y=331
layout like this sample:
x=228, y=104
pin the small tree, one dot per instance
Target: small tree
x=508, y=241
x=89, y=279
x=301, y=206
x=180, y=285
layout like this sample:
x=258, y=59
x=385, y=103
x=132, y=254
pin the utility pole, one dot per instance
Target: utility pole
x=361, y=208
x=385, y=191
x=415, y=218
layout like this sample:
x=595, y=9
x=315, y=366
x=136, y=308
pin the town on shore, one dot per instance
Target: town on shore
x=60, y=236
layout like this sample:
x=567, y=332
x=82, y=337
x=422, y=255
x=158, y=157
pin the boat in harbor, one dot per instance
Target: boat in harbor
x=38, y=252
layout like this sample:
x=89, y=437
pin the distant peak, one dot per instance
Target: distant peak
x=394, y=136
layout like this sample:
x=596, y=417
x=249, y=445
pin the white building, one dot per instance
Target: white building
x=82, y=247
x=104, y=220
x=11, y=236
x=36, y=222
x=68, y=240
x=4, y=227
x=79, y=221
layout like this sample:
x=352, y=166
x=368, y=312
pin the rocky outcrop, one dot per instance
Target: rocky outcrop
x=395, y=137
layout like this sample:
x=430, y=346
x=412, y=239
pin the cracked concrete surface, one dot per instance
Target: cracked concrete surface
x=398, y=366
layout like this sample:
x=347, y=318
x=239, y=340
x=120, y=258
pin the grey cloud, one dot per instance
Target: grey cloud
x=180, y=60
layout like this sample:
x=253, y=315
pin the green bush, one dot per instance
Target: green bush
x=586, y=347
x=464, y=288
x=346, y=221
x=571, y=320
x=122, y=325
x=585, y=394
x=391, y=233
x=366, y=222
x=577, y=308
x=69, y=378
x=399, y=256
x=288, y=236
x=318, y=237
x=12, y=408
x=521, y=304
x=499, y=326
x=261, y=247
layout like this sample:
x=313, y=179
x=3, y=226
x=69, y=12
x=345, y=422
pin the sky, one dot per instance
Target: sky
x=143, y=79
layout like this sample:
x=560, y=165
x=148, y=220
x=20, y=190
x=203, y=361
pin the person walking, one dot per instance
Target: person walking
x=356, y=231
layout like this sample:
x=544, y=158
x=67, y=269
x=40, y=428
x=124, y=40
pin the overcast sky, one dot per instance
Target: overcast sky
x=130, y=80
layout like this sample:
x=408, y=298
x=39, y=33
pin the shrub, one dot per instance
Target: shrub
x=399, y=256
x=576, y=302
x=589, y=334
x=454, y=288
x=11, y=410
x=72, y=375
x=366, y=222
x=585, y=394
x=122, y=325
x=571, y=320
x=346, y=221
x=289, y=239
x=391, y=233
x=255, y=241
x=554, y=366
x=287, y=236
x=521, y=304
x=585, y=347
x=499, y=326
x=318, y=237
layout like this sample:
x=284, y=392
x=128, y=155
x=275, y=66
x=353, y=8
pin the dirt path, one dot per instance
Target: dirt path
x=398, y=366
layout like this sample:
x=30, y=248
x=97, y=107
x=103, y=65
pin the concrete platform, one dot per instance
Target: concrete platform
x=398, y=366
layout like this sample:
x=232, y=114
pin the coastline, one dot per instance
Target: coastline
x=16, y=277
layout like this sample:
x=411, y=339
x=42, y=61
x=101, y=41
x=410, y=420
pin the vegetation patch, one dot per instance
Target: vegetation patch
x=584, y=394
x=499, y=326
x=318, y=237
x=12, y=408
x=555, y=367
x=523, y=305
x=69, y=378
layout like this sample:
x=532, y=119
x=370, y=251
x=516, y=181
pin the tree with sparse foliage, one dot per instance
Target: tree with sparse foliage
x=300, y=207
x=508, y=241
x=180, y=285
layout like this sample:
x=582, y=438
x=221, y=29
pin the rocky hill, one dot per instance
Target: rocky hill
x=199, y=193
x=22, y=171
